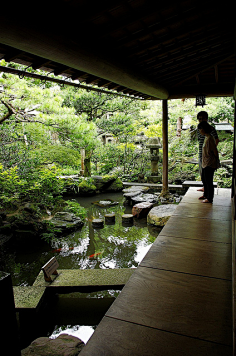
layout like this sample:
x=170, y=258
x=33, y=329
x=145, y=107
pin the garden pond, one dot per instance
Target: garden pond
x=114, y=246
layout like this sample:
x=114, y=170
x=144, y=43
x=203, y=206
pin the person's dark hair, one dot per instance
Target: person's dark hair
x=205, y=126
x=202, y=115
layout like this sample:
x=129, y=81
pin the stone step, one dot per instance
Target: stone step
x=86, y=278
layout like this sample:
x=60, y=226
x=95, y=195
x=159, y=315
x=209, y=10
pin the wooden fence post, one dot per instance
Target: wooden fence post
x=8, y=326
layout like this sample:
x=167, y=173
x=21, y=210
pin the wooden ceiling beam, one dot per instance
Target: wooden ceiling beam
x=211, y=91
x=166, y=24
x=77, y=75
x=179, y=70
x=61, y=69
x=39, y=63
x=58, y=81
x=57, y=48
x=216, y=73
x=199, y=43
x=12, y=55
x=193, y=71
x=159, y=65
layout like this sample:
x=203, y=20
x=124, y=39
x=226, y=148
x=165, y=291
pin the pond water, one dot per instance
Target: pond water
x=114, y=246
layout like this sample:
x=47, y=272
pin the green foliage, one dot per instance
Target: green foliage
x=46, y=188
x=154, y=130
x=9, y=180
x=75, y=208
x=223, y=177
x=62, y=155
x=225, y=146
x=87, y=186
x=50, y=125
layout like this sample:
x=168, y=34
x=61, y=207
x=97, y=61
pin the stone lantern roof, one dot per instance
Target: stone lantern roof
x=154, y=142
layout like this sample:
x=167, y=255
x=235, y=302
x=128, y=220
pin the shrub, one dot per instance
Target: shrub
x=87, y=186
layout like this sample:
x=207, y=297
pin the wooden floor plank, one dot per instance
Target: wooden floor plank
x=207, y=211
x=116, y=337
x=195, y=228
x=218, y=200
x=189, y=305
x=226, y=192
x=220, y=197
x=203, y=258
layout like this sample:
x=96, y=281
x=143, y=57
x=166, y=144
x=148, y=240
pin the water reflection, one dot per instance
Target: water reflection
x=114, y=246
x=83, y=332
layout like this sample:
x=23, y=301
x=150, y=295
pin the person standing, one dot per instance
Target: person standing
x=210, y=161
x=203, y=116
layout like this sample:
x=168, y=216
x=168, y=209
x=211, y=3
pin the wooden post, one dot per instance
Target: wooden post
x=82, y=152
x=8, y=325
x=165, y=188
x=233, y=196
x=179, y=126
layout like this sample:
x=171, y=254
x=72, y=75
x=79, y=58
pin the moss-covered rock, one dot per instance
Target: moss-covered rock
x=87, y=187
x=66, y=222
x=116, y=186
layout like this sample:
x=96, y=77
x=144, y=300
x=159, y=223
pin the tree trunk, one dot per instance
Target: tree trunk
x=87, y=163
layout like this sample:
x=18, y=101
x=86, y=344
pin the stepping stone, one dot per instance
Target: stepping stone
x=110, y=219
x=97, y=223
x=142, y=209
x=127, y=218
x=159, y=215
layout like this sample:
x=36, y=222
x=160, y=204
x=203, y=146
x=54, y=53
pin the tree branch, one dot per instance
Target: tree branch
x=10, y=109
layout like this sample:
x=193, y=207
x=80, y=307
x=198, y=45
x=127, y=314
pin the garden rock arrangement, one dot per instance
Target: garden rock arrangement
x=63, y=345
x=66, y=221
x=156, y=207
x=138, y=194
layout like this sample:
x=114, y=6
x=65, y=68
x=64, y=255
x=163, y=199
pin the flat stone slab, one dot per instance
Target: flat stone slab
x=87, y=277
x=151, y=198
x=28, y=297
x=141, y=209
x=159, y=215
x=134, y=188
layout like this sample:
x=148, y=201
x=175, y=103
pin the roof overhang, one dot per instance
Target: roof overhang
x=142, y=48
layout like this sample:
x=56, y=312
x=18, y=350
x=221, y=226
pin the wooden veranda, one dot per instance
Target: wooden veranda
x=151, y=51
x=179, y=300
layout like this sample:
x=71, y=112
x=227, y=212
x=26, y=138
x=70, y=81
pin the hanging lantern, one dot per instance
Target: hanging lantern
x=200, y=100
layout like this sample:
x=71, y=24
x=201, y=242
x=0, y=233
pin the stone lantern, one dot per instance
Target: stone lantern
x=154, y=144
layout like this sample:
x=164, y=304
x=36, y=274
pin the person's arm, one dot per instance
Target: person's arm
x=214, y=134
x=213, y=148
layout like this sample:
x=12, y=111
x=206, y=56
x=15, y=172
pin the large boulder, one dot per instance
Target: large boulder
x=66, y=221
x=107, y=183
x=63, y=345
x=159, y=215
